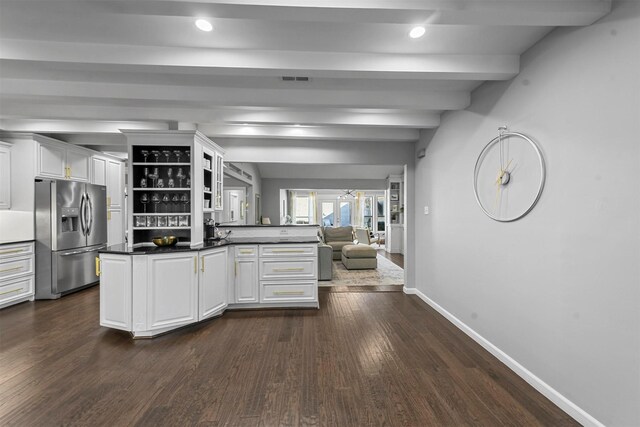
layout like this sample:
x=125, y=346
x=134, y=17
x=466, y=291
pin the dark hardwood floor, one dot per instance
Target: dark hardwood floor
x=397, y=259
x=365, y=358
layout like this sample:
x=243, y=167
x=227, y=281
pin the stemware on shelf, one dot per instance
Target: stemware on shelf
x=143, y=181
x=144, y=199
x=165, y=201
x=166, y=154
x=175, y=199
x=145, y=154
x=185, y=200
x=160, y=183
x=188, y=153
x=154, y=176
x=170, y=182
x=178, y=154
x=155, y=199
x=180, y=175
x=156, y=154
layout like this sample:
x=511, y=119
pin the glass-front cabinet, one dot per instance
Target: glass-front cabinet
x=172, y=177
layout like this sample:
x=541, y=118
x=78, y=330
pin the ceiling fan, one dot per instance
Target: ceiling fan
x=348, y=193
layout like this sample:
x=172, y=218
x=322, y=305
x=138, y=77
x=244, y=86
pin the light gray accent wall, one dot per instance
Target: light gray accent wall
x=559, y=290
x=271, y=190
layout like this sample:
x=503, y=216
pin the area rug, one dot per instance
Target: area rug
x=387, y=273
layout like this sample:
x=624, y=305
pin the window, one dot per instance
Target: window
x=327, y=214
x=367, y=213
x=302, y=210
x=380, y=212
x=345, y=213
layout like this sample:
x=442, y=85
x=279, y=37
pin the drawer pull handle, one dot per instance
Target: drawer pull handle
x=98, y=272
x=288, y=293
x=289, y=251
x=246, y=251
x=12, y=251
x=289, y=269
x=12, y=269
x=11, y=291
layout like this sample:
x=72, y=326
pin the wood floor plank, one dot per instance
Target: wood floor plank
x=368, y=357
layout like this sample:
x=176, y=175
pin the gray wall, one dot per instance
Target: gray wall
x=271, y=190
x=558, y=291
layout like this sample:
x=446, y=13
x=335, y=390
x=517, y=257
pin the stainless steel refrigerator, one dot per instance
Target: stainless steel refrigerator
x=71, y=226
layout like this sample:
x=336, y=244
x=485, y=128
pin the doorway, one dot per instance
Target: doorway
x=335, y=213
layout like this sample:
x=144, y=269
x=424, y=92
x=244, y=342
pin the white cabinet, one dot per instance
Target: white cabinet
x=172, y=290
x=109, y=172
x=16, y=273
x=218, y=184
x=55, y=160
x=115, y=227
x=246, y=275
x=212, y=282
x=5, y=176
x=98, y=170
x=289, y=273
x=114, y=183
x=115, y=291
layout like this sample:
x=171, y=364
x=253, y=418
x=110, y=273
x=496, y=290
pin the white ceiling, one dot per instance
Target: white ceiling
x=87, y=66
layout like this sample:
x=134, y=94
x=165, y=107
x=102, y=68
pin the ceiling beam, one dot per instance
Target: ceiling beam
x=220, y=96
x=76, y=126
x=275, y=63
x=15, y=108
x=309, y=132
x=447, y=12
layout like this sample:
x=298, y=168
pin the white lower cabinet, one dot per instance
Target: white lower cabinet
x=246, y=280
x=212, y=282
x=172, y=288
x=150, y=294
x=115, y=291
x=17, y=274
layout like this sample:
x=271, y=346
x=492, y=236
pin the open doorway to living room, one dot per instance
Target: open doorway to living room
x=357, y=228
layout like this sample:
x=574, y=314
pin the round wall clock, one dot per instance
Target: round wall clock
x=509, y=176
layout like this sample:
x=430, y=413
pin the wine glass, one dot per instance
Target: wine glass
x=180, y=175
x=145, y=153
x=144, y=199
x=165, y=201
x=185, y=200
x=189, y=179
x=178, y=154
x=143, y=181
x=175, y=199
x=156, y=154
x=188, y=153
x=154, y=175
x=155, y=199
x=166, y=153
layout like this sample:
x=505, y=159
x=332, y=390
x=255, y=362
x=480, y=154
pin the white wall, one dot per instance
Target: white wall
x=559, y=290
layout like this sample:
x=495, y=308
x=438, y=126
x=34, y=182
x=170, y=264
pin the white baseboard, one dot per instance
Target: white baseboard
x=549, y=392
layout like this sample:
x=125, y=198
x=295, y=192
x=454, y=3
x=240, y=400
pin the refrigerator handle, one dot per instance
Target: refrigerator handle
x=82, y=219
x=90, y=215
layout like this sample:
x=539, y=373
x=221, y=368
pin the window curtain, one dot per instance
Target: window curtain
x=313, y=205
x=359, y=220
x=291, y=207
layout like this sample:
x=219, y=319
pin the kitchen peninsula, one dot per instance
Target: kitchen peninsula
x=148, y=290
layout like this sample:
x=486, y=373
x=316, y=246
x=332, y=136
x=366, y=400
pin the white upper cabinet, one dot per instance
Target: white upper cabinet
x=98, y=170
x=5, y=176
x=51, y=161
x=62, y=161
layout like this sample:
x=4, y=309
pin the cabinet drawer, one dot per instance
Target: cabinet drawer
x=243, y=251
x=288, y=292
x=16, y=249
x=15, y=267
x=15, y=288
x=288, y=251
x=304, y=268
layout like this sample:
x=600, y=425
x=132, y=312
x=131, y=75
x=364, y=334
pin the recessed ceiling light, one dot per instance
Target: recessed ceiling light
x=297, y=125
x=417, y=32
x=204, y=25
x=245, y=124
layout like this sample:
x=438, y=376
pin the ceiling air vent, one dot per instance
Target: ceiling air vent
x=295, y=79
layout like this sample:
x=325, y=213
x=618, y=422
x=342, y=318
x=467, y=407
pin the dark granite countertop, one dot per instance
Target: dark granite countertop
x=266, y=225
x=123, y=249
